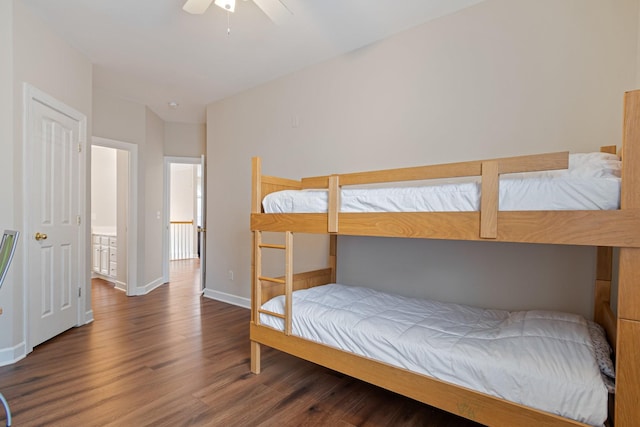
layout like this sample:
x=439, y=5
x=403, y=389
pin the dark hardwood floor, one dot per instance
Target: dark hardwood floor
x=174, y=358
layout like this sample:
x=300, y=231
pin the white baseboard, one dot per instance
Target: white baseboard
x=228, y=298
x=143, y=290
x=185, y=258
x=13, y=354
x=95, y=275
x=88, y=317
x=121, y=286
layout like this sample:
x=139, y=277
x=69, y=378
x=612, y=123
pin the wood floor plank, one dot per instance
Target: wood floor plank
x=174, y=358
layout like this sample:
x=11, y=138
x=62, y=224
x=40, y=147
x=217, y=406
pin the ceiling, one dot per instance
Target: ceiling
x=152, y=52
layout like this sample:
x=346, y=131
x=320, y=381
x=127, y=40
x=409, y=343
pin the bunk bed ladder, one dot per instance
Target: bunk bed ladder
x=287, y=280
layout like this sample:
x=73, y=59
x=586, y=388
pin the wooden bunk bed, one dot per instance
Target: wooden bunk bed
x=605, y=229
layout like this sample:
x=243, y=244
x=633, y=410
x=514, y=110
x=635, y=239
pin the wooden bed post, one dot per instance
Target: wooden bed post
x=489, y=198
x=627, y=411
x=333, y=257
x=602, y=312
x=288, y=282
x=256, y=203
x=256, y=185
x=333, y=204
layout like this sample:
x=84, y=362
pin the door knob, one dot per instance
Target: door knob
x=40, y=236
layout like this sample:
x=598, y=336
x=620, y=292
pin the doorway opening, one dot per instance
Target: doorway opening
x=114, y=213
x=185, y=202
x=184, y=209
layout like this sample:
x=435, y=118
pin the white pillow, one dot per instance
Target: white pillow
x=594, y=165
x=581, y=165
x=602, y=349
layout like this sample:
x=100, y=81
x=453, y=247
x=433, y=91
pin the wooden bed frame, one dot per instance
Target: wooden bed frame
x=604, y=229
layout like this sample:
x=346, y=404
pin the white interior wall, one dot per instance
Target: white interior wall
x=184, y=139
x=118, y=119
x=7, y=191
x=123, y=185
x=104, y=188
x=122, y=120
x=182, y=192
x=498, y=79
x=39, y=57
x=154, y=199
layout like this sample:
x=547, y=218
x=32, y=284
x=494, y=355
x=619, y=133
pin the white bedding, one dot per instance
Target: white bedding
x=540, y=359
x=592, y=182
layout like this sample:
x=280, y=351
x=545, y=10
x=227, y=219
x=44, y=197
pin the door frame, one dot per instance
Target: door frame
x=31, y=94
x=166, y=238
x=132, y=211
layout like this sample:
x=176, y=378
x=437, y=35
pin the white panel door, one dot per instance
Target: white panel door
x=54, y=235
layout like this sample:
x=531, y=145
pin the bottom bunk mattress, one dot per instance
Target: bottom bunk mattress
x=542, y=359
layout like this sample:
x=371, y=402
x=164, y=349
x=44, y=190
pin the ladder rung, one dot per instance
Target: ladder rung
x=271, y=279
x=271, y=313
x=267, y=245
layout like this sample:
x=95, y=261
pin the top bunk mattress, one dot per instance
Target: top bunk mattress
x=540, y=359
x=592, y=182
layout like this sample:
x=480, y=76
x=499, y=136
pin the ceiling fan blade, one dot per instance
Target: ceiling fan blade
x=196, y=7
x=276, y=10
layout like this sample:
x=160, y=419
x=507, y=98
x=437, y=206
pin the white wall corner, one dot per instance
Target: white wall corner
x=88, y=317
x=121, y=286
x=13, y=354
x=143, y=290
x=228, y=298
